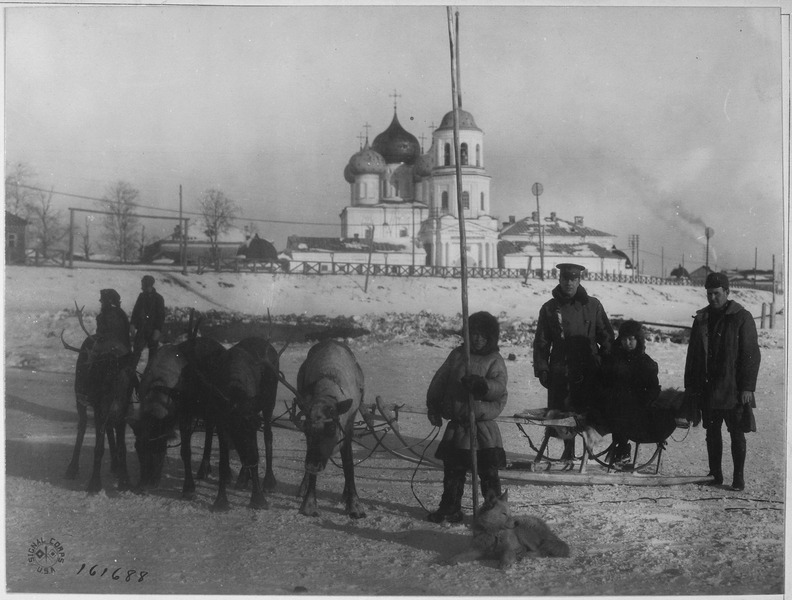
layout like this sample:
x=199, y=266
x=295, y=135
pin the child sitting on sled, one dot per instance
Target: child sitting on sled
x=630, y=389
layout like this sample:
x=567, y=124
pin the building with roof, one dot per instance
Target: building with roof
x=15, y=228
x=402, y=203
x=564, y=241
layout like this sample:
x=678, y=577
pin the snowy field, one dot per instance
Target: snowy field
x=625, y=538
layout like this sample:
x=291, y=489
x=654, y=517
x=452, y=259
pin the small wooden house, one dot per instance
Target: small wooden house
x=14, y=239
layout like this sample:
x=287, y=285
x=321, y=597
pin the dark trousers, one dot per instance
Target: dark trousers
x=141, y=342
x=713, y=423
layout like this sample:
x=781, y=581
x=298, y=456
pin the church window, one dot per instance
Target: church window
x=463, y=152
x=482, y=201
x=447, y=155
x=403, y=232
x=444, y=201
x=466, y=200
x=478, y=155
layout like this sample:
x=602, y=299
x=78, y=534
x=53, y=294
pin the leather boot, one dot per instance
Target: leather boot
x=738, y=452
x=450, y=508
x=715, y=454
x=490, y=482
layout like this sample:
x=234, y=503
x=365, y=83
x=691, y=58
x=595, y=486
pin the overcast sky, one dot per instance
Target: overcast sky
x=653, y=121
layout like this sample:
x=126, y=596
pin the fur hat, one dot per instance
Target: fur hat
x=486, y=324
x=147, y=280
x=111, y=296
x=635, y=329
x=717, y=280
x=631, y=328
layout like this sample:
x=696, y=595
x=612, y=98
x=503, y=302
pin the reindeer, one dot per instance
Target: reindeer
x=239, y=396
x=174, y=391
x=104, y=380
x=329, y=392
x=267, y=365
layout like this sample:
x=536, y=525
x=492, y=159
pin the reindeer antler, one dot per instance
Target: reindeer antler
x=80, y=318
x=67, y=346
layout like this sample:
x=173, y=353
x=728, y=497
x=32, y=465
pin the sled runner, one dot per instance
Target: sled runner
x=556, y=424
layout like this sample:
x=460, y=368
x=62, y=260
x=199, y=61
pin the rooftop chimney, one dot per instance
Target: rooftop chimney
x=535, y=215
x=511, y=219
x=553, y=216
x=579, y=221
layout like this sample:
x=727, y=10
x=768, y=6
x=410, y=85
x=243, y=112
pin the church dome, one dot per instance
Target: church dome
x=349, y=175
x=366, y=162
x=425, y=164
x=396, y=145
x=466, y=121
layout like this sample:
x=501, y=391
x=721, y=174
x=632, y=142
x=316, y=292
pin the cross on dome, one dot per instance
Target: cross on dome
x=394, y=95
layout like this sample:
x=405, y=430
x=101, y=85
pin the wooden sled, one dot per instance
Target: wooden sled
x=608, y=472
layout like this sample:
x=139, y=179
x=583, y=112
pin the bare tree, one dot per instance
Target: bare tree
x=120, y=226
x=45, y=222
x=18, y=180
x=217, y=213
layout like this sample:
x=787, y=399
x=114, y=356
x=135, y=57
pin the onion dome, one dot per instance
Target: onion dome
x=425, y=164
x=466, y=121
x=365, y=162
x=348, y=174
x=396, y=145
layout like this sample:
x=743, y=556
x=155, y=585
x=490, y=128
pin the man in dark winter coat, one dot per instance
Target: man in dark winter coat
x=720, y=375
x=572, y=334
x=148, y=317
x=448, y=397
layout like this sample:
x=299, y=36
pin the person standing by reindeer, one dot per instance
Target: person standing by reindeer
x=148, y=318
x=448, y=398
x=721, y=369
x=573, y=333
x=112, y=323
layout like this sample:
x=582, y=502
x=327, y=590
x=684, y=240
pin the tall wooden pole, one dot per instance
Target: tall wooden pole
x=71, y=238
x=452, y=28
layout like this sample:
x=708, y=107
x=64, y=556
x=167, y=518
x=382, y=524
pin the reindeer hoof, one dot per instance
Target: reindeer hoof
x=124, y=486
x=94, y=488
x=221, y=506
x=269, y=484
x=259, y=503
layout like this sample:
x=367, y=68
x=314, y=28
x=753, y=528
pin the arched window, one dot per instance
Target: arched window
x=447, y=155
x=482, y=201
x=444, y=201
x=466, y=200
x=463, y=153
x=478, y=155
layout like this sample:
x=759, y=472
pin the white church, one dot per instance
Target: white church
x=403, y=208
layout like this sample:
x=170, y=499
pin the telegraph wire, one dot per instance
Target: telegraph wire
x=169, y=210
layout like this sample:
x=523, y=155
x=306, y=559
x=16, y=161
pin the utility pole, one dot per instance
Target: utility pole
x=537, y=190
x=756, y=250
x=662, y=262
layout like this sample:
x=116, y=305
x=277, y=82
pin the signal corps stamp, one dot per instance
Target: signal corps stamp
x=45, y=555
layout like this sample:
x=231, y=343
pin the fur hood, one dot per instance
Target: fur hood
x=486, y=324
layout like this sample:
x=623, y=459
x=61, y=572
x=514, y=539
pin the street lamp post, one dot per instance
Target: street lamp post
x=536, y=190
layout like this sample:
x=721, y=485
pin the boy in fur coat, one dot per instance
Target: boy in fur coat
x=448, y=398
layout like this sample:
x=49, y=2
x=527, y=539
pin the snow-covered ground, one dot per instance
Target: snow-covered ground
x=626, y=539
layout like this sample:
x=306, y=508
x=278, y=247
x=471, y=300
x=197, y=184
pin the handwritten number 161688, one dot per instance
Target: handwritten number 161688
x=116, y=574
